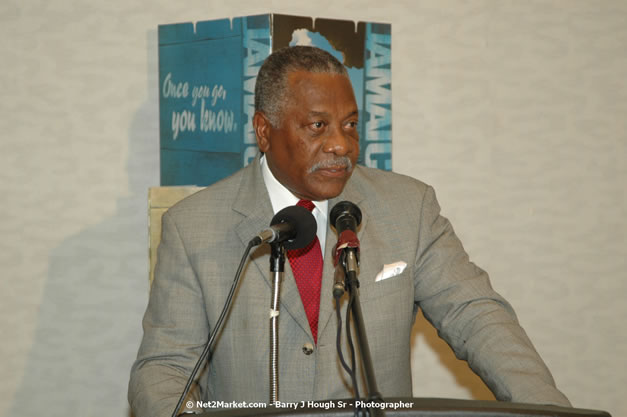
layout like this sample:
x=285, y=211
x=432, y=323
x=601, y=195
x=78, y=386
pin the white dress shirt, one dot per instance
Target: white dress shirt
x=281, y=197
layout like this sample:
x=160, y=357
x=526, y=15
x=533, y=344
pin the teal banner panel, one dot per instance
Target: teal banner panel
x=207, y=74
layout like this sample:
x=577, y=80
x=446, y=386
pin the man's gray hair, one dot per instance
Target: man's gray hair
x=271, y=85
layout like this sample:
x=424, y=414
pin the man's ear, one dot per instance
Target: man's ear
x=262, y=127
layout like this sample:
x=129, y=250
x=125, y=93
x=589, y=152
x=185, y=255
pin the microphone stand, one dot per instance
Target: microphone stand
x=352, y=284
x=277, y=267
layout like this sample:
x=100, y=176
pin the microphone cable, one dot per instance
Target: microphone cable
x=216, y=330
x=351, y=370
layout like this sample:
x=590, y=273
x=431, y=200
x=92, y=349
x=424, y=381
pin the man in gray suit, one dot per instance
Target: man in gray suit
x=305, y=123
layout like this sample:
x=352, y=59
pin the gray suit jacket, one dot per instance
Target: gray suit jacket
x=203, y=239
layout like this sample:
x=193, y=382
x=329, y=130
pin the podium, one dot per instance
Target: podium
x=413, y=407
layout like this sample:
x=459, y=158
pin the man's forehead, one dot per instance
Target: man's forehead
x=320, y=94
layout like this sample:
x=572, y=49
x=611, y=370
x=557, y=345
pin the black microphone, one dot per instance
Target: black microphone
x=295, y=226
x=345, y=217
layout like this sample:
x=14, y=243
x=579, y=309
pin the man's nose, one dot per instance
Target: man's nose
x=338, y=142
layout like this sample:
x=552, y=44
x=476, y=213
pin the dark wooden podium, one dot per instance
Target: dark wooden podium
x=414, y=407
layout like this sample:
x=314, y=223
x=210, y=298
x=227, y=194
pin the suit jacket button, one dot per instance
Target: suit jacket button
x=307, y=348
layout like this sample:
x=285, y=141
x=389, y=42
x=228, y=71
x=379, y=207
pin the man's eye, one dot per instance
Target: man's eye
x=317, y=125
x=351, y=124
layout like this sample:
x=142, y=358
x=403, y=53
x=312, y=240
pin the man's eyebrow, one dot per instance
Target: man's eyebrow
x=353, y=113
x=314, y=113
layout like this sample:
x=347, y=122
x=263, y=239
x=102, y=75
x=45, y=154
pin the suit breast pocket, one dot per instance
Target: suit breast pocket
x=392, y=289
x=387, y=307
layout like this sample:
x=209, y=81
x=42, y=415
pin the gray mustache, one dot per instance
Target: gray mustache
x=341, y=162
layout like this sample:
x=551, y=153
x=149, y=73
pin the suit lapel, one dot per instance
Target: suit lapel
x=254, y=204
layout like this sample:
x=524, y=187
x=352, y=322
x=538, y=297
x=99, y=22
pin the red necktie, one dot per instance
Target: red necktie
x=306, y=266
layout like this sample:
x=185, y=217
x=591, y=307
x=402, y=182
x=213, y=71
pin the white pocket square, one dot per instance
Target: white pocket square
x=391, y=270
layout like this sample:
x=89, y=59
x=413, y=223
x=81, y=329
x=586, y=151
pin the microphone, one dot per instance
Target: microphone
x=345, y=217
x=295, y=226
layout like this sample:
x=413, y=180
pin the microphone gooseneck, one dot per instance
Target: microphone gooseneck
x=346, y=217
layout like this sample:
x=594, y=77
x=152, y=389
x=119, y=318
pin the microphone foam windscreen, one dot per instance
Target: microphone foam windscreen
x=304, y=224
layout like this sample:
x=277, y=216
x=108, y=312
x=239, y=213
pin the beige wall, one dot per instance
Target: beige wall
x=513, y=110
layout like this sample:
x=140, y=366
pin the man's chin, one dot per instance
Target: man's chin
x=329, y=189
